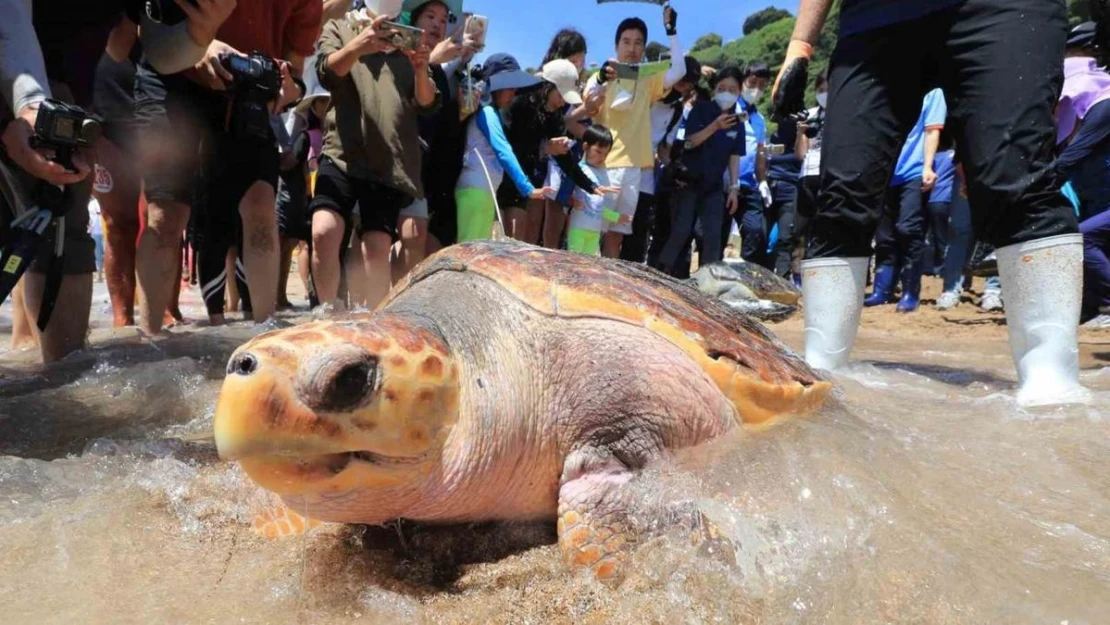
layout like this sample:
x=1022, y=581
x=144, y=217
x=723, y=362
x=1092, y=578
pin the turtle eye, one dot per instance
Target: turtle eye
x=350, y=385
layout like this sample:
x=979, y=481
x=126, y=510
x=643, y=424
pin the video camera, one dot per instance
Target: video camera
x=64, y=128
x=256, y=81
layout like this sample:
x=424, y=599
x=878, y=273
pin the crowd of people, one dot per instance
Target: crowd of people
x=238, y=136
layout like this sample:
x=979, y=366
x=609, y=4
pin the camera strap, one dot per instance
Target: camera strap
x=54, y=275
x=26, y=241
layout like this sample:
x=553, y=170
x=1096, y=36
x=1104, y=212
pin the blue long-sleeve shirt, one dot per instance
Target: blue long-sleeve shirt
x=486, y=144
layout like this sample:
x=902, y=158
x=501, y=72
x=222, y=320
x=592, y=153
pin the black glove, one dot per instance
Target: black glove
x=601, y=75
x=788, y=96
x=670, y=24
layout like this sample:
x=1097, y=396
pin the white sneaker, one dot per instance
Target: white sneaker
x=991, y=302
x=1100, y=322
x=948, y=300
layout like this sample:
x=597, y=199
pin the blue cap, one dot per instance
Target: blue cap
x=501, y=71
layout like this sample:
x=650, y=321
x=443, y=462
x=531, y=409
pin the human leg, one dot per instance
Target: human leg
x=1012, y=181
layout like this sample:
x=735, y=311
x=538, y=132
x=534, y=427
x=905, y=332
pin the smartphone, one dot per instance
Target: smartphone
x=404, y=37
x=456, y=30
x=776, y=149
x=476, y=27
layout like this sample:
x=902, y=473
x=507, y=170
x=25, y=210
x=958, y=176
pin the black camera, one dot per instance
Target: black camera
x=814, y=126
x=64, y=128
x=255, y=82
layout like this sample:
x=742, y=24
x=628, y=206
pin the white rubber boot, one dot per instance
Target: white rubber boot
x=832, y=298
x=1042, y=282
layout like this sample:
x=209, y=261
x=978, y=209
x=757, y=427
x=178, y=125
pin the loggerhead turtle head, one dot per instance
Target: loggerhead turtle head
x=332, y=407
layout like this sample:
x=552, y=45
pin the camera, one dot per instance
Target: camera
x=64, y=128
x=814, y=127
x=255, y=82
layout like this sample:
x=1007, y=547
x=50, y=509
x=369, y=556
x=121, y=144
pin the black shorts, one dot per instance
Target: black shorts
x=507, y=194
x=185, y=143
x=292, y=205
x=443, y=213
x=114, y=101
x=379, y=205
x=1000, y=64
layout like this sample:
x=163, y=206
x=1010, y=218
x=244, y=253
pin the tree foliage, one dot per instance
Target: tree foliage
x=768, y=44
x=759, y=19
x=654, y=51
x=1078, y=11
x=712, y=40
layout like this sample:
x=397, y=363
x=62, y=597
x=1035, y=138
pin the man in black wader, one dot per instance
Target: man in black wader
x=1000, y=65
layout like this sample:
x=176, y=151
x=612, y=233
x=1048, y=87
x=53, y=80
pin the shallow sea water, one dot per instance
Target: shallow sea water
x=922, y=494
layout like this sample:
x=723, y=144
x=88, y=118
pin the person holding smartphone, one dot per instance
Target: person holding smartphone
x=714, y=143
x=372, y=153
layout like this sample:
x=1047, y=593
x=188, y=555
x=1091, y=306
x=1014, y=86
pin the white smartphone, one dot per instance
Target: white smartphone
x=776, y=149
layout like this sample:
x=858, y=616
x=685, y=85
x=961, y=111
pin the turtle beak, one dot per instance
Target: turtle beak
x=257, y=414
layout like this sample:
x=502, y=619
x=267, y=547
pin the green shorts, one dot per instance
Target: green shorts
x=476, y=214
x=584, y=241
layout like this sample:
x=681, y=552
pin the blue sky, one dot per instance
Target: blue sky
x=524, y=28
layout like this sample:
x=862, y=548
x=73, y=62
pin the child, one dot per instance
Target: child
x=593, y=213
x=488, y=156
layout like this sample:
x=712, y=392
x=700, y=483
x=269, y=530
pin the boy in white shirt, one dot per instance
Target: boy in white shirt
x=593, y=214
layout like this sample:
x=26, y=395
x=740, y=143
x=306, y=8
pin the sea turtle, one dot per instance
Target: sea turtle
x=502, y=381
x=749, y=288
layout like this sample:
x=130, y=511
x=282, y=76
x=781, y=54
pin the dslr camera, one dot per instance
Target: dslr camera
x=255, y=82
x=64, y=128
x=814, y=127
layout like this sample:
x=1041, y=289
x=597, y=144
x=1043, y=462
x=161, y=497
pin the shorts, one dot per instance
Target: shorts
x=508, y=196
x=647, y=181
x=292, y=205
x=418, y=209
x=583, y=241
x=183, y=136
x=379, y=205
x=628, y=179
x=444, y=221
x=79, y=251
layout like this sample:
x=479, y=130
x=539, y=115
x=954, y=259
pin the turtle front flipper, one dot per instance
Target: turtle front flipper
x=602, y=521
x=280, y=522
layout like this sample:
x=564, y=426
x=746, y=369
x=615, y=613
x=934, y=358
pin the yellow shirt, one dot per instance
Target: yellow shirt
x=631, y=127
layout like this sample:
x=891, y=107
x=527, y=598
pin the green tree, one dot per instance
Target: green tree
x=1078, y=11
x=759, y=19
x=712, y=40
x=654, y=51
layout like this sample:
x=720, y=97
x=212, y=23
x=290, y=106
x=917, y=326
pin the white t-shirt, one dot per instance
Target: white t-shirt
x=590, y=216
x=95, y=227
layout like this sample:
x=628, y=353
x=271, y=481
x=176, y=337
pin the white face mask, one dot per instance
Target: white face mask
x=822, y=98
x=751, y=95
x=724, y=99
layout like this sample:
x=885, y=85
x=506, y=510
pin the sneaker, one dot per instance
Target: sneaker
x=1100, y=322
x=948, y=300
x=992, y=302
